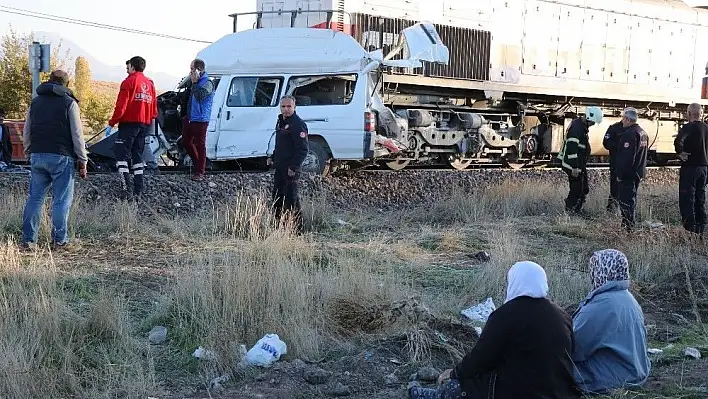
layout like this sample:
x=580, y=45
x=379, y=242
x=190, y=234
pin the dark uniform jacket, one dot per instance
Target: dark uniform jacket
x=693, y=139
x=611, y=140
x=527, y=343
x=632, y=151
x=576, y=149
x=291, y=145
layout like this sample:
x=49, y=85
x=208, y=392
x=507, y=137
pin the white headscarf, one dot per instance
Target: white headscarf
x=526, y=279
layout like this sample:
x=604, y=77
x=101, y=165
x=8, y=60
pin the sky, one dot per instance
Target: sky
x=201, y=19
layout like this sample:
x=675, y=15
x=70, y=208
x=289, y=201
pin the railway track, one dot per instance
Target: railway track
x=169, y=170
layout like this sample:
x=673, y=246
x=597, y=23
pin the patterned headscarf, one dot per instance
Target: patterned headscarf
x=608, y=265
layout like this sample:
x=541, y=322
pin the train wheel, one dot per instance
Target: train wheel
x=459, y=163
x=397, y=165
x=515, y=165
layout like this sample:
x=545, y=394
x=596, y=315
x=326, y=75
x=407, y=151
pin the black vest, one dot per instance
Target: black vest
x=50, y=130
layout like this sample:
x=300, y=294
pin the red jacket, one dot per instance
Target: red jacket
x=137, y=101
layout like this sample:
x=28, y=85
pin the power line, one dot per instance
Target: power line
x=34, y=14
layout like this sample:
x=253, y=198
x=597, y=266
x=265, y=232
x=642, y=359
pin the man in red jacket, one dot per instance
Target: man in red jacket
x=136, y=107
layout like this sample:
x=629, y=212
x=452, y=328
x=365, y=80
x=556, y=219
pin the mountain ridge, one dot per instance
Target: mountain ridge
x=101, y=71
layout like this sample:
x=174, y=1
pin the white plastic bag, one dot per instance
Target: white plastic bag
x=480, y=312
x=266, y=351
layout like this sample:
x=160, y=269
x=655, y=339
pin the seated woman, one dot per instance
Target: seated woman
x=610, y=337
x=523, y=351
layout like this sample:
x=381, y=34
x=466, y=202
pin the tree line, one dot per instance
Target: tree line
x=16, y=82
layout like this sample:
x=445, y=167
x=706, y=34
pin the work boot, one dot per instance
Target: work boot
x=126, y=195
x=28, y=247
x=66, y=246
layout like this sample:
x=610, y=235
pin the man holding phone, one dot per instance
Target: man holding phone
x=197, y=117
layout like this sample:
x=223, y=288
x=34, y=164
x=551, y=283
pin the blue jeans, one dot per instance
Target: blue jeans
x=56, y=171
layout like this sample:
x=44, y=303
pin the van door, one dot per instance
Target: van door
x=333, y=107
x=248, y=116
x=212, y=137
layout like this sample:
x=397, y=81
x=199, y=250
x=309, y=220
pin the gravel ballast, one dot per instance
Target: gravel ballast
x=176, y=193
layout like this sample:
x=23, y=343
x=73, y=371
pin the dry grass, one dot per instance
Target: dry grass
x=278, y=284
x=51, y=347
x=237, y=276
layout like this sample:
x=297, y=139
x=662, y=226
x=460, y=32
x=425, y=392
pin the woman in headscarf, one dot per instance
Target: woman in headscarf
x=610, y=337
x=523, y=351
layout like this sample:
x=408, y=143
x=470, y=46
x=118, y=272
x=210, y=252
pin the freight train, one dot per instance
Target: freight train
x=520, y=70
x=498, y=83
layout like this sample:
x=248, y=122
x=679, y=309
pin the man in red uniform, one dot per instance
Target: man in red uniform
x=136, y=107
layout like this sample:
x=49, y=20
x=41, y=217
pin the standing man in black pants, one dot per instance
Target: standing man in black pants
x=632, y=150
x=610, y=144
x=692, y=146
x=291, y=147
x=136, y=108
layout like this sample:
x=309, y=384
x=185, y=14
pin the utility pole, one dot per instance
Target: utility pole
x=39, y=57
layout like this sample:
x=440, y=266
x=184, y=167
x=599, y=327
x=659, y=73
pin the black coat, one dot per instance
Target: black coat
x=291, y=143
x=693, y=139
x=632, y=153
x=576, y=151
x=611, y=141
x=5, y=145
x=523, y=352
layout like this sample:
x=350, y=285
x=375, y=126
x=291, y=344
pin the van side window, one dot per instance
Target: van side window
x=322, y=90
x=254, y=92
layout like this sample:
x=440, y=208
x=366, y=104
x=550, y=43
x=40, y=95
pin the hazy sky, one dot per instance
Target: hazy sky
x=201, y=19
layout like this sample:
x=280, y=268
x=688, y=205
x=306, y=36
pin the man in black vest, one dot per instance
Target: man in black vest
x=53, y=141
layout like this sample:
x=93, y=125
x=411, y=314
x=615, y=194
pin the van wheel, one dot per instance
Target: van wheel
x=317, y=160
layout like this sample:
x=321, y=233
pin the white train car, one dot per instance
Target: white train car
x=537, y=62
x=632, y=50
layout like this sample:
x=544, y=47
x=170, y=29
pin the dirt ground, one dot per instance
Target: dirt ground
x=423, y=262
x=364, y=374
x=375, y=366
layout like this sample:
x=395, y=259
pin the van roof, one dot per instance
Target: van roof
x=284, y=50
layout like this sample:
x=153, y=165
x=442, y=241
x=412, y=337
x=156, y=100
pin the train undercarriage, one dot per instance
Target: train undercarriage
x=513, y=130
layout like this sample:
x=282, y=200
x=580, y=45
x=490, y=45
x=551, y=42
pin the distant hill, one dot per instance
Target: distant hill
x=99, y=70
x=110, y=88
x=106, y=88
